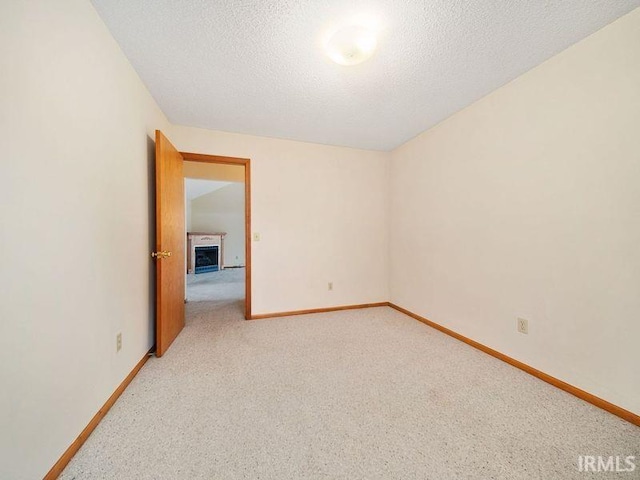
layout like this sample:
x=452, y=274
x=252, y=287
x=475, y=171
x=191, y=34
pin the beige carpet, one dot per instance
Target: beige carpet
x=362, y=394
x=219, y=287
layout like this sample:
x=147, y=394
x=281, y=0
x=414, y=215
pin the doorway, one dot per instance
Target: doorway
x=217, y=229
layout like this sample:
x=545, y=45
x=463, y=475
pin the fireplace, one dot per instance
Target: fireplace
x=205, y=252
x=207, y=258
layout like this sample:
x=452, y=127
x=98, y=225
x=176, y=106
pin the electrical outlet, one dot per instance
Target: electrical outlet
x=523, y=325
x=118, y=342
x=330, y=286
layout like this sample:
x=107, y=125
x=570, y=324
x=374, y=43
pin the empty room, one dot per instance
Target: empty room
x=356, y=239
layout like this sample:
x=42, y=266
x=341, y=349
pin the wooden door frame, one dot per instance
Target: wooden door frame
x=246, y=163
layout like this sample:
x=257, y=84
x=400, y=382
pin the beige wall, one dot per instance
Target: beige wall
x=321, y=212
x=223, y=211
x=214, y=171
x=187, y=216
x=527, y=204
x=76, y=129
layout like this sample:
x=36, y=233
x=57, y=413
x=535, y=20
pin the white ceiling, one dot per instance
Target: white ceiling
x=194, y=187
x=257, y=67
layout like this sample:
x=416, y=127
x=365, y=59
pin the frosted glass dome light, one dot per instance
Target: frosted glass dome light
x=351, y=45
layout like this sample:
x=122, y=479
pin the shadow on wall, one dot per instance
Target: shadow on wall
x=151, y=195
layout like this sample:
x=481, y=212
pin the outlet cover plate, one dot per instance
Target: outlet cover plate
x=523, y=325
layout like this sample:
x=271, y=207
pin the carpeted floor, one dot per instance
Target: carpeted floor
x=360, y=394
x=219, y=287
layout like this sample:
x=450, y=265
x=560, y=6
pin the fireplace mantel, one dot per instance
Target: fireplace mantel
x=195, y=239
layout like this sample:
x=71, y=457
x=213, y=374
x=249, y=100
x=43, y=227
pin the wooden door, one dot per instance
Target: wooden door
x=169, y=254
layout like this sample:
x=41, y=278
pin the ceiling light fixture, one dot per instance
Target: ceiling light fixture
x=351, y=45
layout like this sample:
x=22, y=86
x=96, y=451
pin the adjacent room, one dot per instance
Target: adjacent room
x=348, y=239
x=215, y=233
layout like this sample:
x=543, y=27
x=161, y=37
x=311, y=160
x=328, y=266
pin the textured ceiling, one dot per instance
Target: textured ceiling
x=258, y=67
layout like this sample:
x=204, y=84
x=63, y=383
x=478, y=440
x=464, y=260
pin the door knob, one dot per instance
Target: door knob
x=160, y=255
